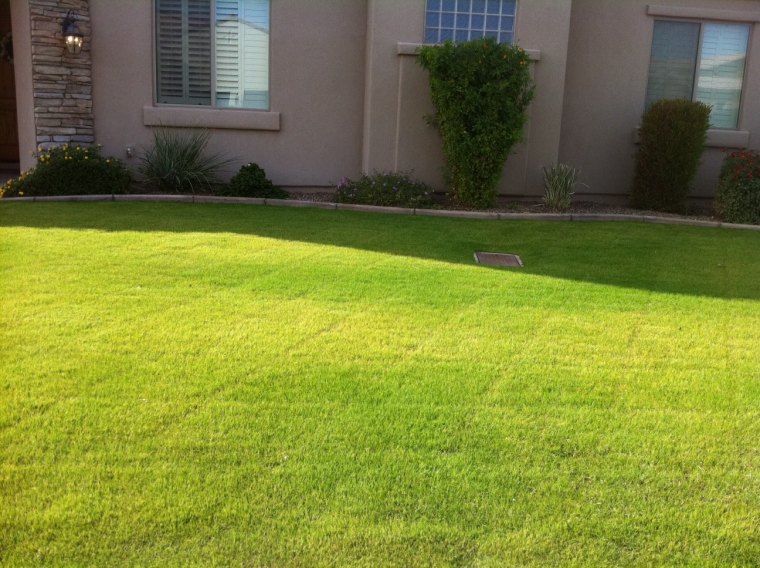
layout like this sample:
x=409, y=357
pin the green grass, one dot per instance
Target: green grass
x=185, y=385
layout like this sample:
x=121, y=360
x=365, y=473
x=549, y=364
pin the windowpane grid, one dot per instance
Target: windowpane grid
x=464, y=20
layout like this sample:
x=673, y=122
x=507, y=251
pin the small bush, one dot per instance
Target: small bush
x=387, y=189
x=178, y=163
x=481, y=91
x=673, y=134
x=738, y=196
x=252, y=181
x=70, y=170
x=559, y=182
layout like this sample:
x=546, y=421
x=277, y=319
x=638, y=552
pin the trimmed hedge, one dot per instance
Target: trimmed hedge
x=252, y=181
x=481, y=91
x=673, y=135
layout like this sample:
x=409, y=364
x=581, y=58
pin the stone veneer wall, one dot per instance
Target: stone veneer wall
x=62, y=82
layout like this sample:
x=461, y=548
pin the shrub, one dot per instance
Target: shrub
x=385, y=188
x=70, y=170
x=481, y=90
x=673, y=134
x=559, y=182
x=178, y=163
x=738, y=196
x=252, y=181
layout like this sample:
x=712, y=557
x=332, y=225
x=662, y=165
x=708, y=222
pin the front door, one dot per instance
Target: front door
x=8, y=119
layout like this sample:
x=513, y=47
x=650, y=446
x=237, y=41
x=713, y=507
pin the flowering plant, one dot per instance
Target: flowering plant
x=741, y=165
x=70, y=170
x=738, y=197
x=385, y=188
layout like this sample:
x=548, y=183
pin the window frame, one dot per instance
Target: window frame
x=213, y=106
x=698, y=59
x=425, y=27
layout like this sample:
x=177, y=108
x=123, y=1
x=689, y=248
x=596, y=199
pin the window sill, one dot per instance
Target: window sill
x=717, y=138
x=199, y=117
x=403, y=48
x=703, y=13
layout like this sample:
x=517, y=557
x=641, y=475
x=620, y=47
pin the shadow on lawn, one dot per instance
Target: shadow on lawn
x=670, y=259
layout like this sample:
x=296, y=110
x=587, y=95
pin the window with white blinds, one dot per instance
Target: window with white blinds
x=700, y=61
x=213, y=53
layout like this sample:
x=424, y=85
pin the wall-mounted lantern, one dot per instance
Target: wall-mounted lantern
x=71, y=34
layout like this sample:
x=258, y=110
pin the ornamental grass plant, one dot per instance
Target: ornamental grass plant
x=559, y=182
x=178, y=162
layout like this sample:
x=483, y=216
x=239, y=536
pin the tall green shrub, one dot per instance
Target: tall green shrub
x=673, y=134
x=481, y=91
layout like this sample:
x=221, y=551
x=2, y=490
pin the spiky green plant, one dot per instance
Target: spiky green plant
x=178, y=162
x=559, y=182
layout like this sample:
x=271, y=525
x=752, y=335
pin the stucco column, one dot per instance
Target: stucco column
x=22, y=71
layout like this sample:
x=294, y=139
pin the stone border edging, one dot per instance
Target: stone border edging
x=487, y=215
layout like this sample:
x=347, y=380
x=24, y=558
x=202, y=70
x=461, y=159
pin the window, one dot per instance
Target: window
x=213, y=53
x=702, y=62
x=463, y=20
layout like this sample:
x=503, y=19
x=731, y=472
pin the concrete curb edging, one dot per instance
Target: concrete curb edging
x=454, y=214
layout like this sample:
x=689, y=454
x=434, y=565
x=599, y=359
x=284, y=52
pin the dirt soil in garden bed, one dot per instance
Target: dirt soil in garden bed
x=506, y=205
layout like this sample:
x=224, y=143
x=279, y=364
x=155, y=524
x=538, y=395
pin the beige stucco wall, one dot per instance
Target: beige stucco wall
x=343, y=98
x=606, y=86
x=396, y=136
x=317, y=87
x=347, y=94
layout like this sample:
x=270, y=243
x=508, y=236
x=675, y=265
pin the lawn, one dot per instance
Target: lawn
x=215, y=385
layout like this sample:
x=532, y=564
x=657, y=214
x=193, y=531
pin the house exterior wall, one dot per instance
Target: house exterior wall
x=396, y=136
x=607, y=73
x=343, y=99
x=312, y=135
x=347, y=94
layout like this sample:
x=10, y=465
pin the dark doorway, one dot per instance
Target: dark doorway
x=9, y=153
